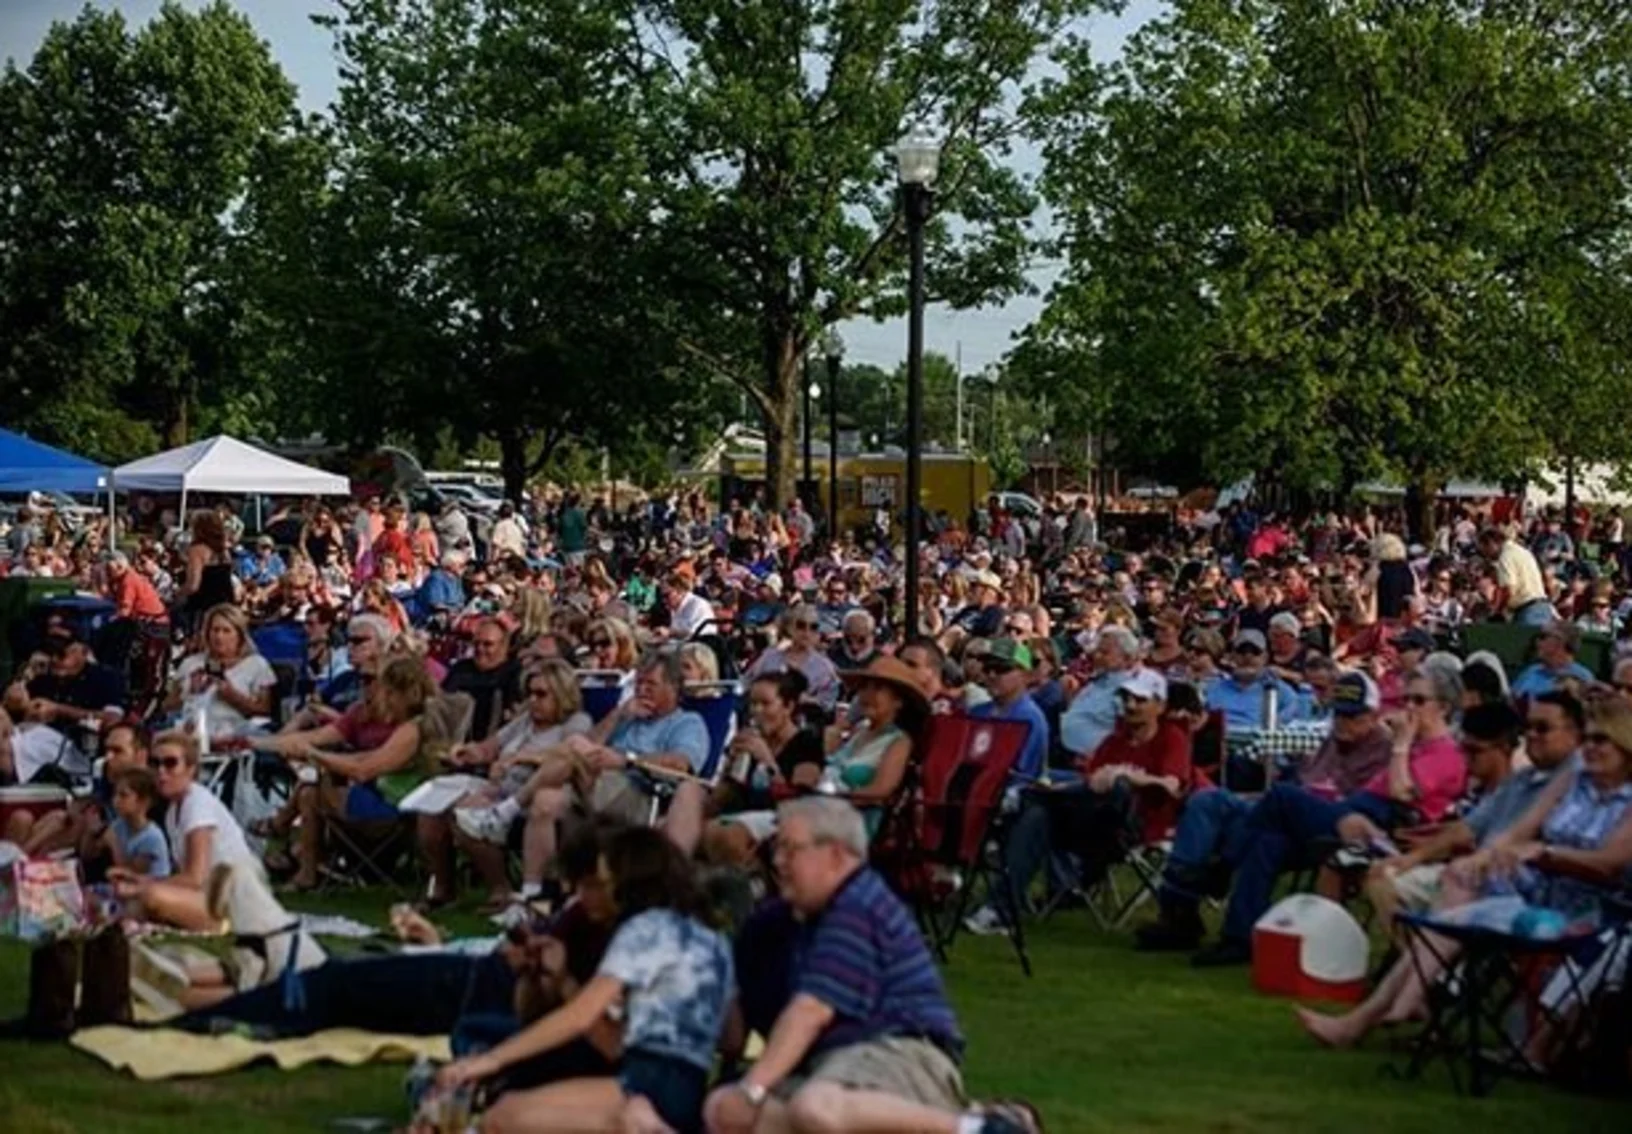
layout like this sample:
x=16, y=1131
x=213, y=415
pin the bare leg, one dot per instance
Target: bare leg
x=684, y=822
x=18, y=827
x=315, y=804
x=489, y=862
x=826, y=1108
x=435, y=835
x=577, y=1106
x=538, y=837
x=178, y=905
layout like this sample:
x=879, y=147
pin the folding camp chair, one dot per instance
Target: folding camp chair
x=1489, y=992
x=602, y=690
x=940, y=842
x=1130, y=883
x=719, y=703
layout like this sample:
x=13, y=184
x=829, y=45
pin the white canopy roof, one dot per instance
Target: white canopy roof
x=221, y=464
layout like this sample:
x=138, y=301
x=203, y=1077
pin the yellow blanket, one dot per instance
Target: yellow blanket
x=164, y=1053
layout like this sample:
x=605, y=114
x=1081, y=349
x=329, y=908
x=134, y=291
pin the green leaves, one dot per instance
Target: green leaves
x=122, y=158
x=1333, y=241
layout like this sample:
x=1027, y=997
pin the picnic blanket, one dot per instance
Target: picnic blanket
x=151, y=1054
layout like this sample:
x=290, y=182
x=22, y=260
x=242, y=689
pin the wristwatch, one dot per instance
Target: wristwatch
x=753, y=1092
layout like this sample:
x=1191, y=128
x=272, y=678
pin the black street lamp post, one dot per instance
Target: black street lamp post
x=917, y=159
x=804, y=485
x=833, y=347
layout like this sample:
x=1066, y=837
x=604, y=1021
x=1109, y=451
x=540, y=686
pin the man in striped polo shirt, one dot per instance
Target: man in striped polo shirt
x=867, y=1040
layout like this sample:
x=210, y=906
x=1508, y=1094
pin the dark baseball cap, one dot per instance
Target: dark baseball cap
x=1354, y=694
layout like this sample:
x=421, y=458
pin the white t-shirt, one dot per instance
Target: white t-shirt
x=201, y=808
x=694, y=610
x=249, y=675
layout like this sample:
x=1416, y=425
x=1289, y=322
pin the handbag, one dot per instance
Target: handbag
x=42, y=900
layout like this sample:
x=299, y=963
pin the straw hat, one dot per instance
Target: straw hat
x=889, y=671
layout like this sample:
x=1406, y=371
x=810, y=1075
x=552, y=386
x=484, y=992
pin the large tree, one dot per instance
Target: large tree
x=471, y=240
x=1337, y=240
x=123, y=156
x=785, y=113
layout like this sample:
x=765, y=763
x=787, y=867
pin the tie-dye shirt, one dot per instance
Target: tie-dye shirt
x=677, y=984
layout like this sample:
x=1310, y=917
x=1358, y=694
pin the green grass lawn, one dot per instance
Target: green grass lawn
x=1102, y=1039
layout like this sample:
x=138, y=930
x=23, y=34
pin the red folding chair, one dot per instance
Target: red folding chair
x=939, y=843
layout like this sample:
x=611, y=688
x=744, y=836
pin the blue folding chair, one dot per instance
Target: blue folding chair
x=602, y=691
x=718, y=703
x=281, y=643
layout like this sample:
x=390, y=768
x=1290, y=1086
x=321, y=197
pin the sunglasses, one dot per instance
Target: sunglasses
x=1598, y=738
x=1417, y=699
x=358, y=640
x=167, y=763
x=1249, y=651
x=807, y=624
x=996, y=668
x=600, y=643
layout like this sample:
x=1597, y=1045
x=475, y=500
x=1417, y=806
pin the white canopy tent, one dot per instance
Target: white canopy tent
x=222, y=464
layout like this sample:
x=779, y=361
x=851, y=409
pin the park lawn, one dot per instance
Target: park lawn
x=1102, y=1039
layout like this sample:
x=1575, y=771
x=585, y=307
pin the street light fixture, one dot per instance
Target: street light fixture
x=833, y=348
x=918, y=159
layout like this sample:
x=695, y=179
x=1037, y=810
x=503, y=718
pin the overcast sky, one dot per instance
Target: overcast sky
x=307, y=57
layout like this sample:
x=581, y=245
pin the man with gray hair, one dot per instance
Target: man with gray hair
x=857, y=645
x=867, y=1039
x=1091, y=716
x=443, y=591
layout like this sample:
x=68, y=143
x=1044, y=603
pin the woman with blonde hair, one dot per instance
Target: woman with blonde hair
x=427, y=548
x=509, y=758
x=227, y=682
x=202, y=834
x=382, y=758
x=611, y=647
x=531, y=610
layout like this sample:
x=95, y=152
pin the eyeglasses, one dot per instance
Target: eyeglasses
x=358, y=640
x=1417, y=699
x=167, y=763
x=786, y=848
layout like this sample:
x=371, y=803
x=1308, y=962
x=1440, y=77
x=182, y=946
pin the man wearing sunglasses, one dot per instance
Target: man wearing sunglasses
x=1006, y=672
x=1243, y=697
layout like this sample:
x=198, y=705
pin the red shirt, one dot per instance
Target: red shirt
x=395, y=543
x=1165, y=754
x=360, y=732
x=135, y=597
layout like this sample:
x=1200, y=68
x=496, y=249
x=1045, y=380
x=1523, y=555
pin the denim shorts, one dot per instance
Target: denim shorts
x=675, y=1088
x=364, y=803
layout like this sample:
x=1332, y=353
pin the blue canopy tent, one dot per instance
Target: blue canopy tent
x=28, y=466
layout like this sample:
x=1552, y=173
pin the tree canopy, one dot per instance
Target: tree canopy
x=1339, y=240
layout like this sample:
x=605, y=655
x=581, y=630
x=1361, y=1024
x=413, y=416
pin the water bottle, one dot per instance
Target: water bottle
x=1271, y=707
x=201, y=729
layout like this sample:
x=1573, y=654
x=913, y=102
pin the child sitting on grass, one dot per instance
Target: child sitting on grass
x=135, y=841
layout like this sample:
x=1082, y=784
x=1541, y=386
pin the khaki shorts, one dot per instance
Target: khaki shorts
x=912, y=1069
x=1418, y=888
x=615, y=796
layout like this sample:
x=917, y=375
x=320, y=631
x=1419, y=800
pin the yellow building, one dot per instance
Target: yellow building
x=951, y=482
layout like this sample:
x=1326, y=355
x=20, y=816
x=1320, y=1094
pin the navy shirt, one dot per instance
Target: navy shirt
x=864, y=958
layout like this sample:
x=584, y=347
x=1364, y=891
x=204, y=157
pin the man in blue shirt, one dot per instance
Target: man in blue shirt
x=1243, y=695
x=867, y=1039
x=1007, y=667
x=1555, y=662
x=443, y=592
x=1092, y=714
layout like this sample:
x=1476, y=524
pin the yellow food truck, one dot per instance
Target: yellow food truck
x=951, y=482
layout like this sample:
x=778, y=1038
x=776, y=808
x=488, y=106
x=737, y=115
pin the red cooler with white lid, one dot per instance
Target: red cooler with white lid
x=1310, y=948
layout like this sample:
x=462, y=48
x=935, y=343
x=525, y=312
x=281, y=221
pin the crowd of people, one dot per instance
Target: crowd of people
x=542, y=696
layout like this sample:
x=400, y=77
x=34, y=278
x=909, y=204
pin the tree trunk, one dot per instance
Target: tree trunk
x=513, y=463
x=1569, y=493
x=781, y=412
x=1421, y=492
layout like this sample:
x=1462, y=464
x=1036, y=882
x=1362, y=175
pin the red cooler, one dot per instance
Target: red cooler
x=1310, y=948
x=34, y=800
